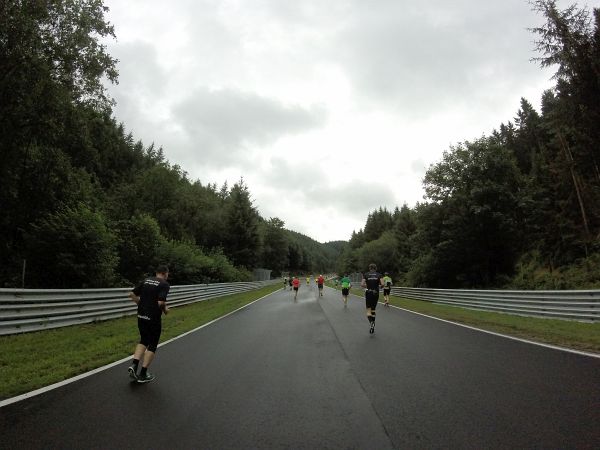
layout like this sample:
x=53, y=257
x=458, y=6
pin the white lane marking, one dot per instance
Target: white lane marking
x=541, y=344
x=527, y=341
x=39, y=391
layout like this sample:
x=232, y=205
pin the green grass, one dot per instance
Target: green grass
x=32, y=360
x=564, y=333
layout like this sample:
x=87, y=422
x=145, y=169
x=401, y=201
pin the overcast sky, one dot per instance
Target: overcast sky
x=328, y=109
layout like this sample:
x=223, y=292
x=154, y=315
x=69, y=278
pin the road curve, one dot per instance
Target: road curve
x=307, y=374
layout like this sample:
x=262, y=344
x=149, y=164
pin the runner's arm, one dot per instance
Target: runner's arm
x=134, y=298
x=163, y=306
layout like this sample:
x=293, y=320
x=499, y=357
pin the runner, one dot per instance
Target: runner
x=371, y=281
x=307, y=280
x=345, y=289
x=285, y=283
x=151, y=298
x=320, y=282
x=387, y=287
x=290, y=281
x=296, y=284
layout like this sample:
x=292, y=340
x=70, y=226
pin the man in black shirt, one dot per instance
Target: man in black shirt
x=151, y=298
x=371, y=282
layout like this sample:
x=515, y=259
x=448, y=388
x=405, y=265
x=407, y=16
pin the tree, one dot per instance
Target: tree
x=242, y=240
x=569, y=41
x=72, y=247
x=382, y=251
x=52, y=66
x=138, y=241
x=61, y=42
x=474, y=188
x=405, y=227
x=275, y=246
x=378, y=222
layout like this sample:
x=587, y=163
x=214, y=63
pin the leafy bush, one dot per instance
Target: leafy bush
x=72, y=246
x=532, y=273
x=138, y=242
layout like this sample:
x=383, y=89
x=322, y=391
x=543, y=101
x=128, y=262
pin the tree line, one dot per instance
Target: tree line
x=87, y=205
x=519, y=208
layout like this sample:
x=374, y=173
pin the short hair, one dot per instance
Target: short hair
x=162, y=269
x=372, y=266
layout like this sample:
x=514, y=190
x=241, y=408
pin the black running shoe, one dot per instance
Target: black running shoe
x=132, y=374
x=372, y=329
x=146, y=379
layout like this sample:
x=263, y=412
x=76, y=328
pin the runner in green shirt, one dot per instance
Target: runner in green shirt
x=345, y=288
x=387, y=287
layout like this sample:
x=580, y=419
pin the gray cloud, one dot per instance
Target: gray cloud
x=139, y=69
x=426, y=57
x=227, y=120
x=217, y=84
x=418, y=166
x=313, y=183
x=316, y=201
x=291, y=174
x=360, y=195
x=141, y=80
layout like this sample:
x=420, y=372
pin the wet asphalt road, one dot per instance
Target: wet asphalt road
x=307, y=374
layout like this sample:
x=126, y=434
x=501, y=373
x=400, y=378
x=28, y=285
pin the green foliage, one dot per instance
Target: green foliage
x=241, y=222
x=64, y=155
x=69, y=351
x=384, y=250
x=475, y=187
x=138, y=242
x=520, y=208
x=309, y=256
x=187, y=263
x=533, y=274
x=62, y=39
x=275, y=245
x=378, y=222
x=223, y=270
x=524, y=201
x=71, y=246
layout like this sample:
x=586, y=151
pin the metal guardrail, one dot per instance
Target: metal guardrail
x=575, y=305
x=24, y=310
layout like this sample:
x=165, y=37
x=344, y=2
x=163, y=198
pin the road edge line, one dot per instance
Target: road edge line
x=53, y=386
x=494, y=333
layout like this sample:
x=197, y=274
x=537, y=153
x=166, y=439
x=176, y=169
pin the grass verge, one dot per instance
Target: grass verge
x=564, y=333
x=32, y=360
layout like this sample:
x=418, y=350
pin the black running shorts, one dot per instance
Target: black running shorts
x=386, y=291
x=345, y=291
x=371, y=298
x=320, y=286
x=149, y=333
x=295, y=288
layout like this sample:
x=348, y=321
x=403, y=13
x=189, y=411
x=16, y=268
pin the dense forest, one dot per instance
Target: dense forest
x=85, y=204
x=519, y=208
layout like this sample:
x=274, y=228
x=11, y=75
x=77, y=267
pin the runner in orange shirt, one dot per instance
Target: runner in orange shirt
x=320, y=282
x=296, y=285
